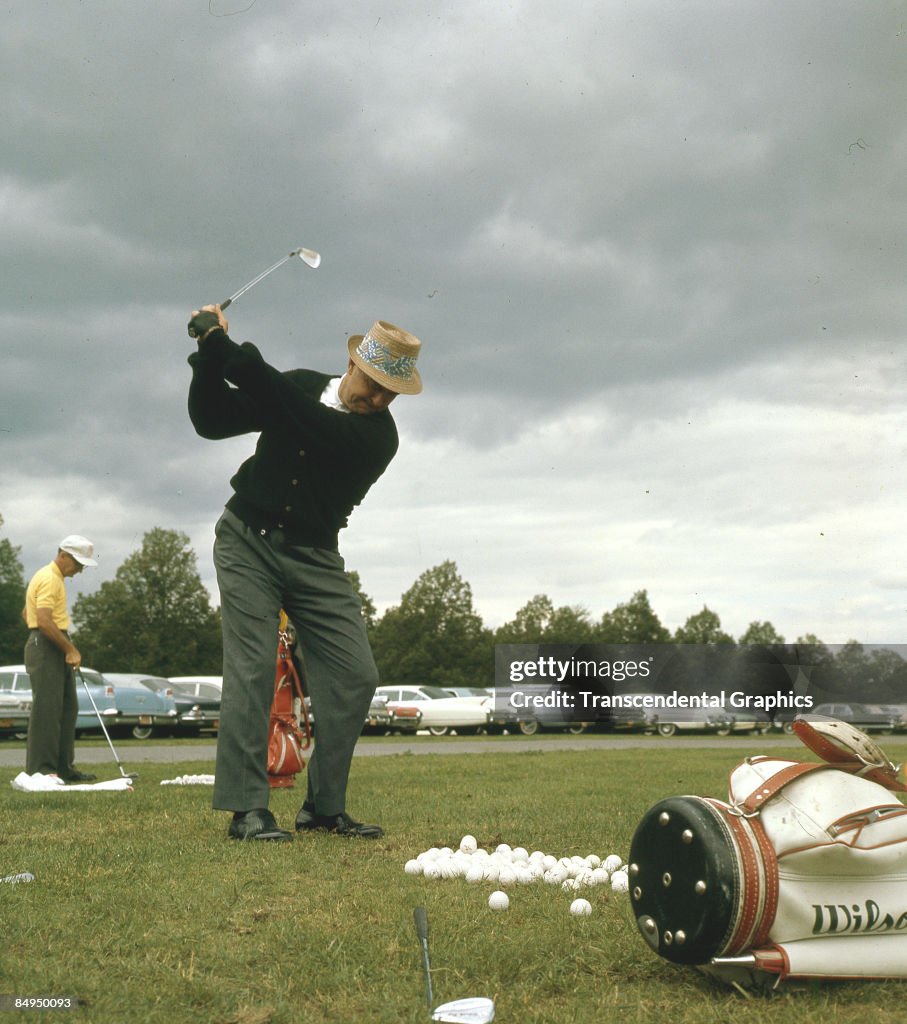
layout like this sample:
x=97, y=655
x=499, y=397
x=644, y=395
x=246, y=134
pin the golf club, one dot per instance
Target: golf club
x=126, y=775
x=474, y=1010
x=308, y=256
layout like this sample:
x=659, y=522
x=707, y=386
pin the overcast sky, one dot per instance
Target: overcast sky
x=654, y=251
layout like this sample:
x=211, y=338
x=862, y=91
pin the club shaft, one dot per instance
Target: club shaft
x=103, y=726
x=255, y=280
x=420, y=917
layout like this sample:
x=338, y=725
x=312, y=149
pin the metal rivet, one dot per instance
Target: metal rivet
x=637, y=892
x=687, y=836
x=666, y=879
x=669, y=938
x=680, y=938
x=634, y=870
x=664, y=818
x=700, y=888
x=649, y=925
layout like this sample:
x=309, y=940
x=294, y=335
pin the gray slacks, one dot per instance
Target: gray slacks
x=50, y=748
x=257, y=576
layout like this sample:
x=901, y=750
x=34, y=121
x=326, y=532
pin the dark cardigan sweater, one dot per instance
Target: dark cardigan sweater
x=312, y=464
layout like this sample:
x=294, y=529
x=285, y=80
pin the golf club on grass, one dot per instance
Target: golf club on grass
x=474, y=1010
x=308, y=256
x=126, y=775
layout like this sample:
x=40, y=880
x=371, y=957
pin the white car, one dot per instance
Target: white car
x=440, y=711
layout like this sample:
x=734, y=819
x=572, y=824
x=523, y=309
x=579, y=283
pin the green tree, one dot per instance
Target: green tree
x=529, y=624
x=761, y=633
x=369, y=612
x=633, y=622
x=155, y=616
x=434, y=635
x=12, y=600
x=702, y=628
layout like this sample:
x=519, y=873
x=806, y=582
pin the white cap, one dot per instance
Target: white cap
x=80, y=548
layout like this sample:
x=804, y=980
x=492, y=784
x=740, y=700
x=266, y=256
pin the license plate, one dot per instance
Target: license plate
x=146, y=720
x=6, y=723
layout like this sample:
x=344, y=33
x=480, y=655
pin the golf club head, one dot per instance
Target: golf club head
x=309, y=257
x=474, y=1010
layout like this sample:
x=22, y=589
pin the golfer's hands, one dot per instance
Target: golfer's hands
x=205, y=320
x=74, y=658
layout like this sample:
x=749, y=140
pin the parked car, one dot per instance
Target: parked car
x=440, y=711
x=379, y=718
x=216, y=681
x=198, y=704
x=14, y=714
x=668, y=721
x=14, y=680
x=868, y=717
x=632, y=716
x=406, y=718
x=153, y=706
x=898, y=714
x=531, y=717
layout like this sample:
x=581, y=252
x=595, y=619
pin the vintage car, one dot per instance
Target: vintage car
x=14, y=681
x=440, y=712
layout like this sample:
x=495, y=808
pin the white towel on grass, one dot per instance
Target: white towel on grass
x=39, y=783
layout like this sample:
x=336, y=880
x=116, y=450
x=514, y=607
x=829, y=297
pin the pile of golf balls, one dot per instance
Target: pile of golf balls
x=510, y=866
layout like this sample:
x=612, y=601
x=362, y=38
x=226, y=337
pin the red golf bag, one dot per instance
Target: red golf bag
x=289, y=733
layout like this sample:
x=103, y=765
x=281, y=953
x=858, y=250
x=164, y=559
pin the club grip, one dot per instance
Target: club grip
x=225, y=303
x=420, y=917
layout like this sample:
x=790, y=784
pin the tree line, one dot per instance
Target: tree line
x=156, y=616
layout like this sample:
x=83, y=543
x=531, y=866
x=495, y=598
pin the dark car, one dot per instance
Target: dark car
x=197, y=705
x=668, y=721
x=868, y=717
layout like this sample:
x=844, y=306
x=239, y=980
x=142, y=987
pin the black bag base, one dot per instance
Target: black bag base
x=685, y=884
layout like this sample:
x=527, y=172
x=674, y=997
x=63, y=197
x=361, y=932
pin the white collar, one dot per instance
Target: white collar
x=331, y=395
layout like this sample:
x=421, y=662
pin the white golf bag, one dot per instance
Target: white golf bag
x=801, y=874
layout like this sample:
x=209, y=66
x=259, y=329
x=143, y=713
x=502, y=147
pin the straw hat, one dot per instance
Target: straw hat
x=388, y=355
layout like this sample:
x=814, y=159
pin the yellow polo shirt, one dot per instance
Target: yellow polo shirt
x=47, y=590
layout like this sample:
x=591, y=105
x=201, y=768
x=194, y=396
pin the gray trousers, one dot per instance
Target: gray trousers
x=257, y=576
x=50, y=748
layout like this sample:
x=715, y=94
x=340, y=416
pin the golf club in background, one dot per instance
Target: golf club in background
x=126, y=775
x=473, y=1010
x=308, y=256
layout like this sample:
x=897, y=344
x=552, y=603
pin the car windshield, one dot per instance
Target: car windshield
x=434, y=692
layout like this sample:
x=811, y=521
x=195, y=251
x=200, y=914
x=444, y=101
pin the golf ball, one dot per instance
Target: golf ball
x=612, y=863
x=620, y=881
x=581, y=908
x=413, y=867
x=468, y=844
x=431, y=869
x=499, y=900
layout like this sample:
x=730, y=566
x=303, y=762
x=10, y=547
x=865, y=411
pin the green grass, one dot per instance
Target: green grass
x=145, y=911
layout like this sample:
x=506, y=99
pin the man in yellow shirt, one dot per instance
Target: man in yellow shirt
x=50, y=660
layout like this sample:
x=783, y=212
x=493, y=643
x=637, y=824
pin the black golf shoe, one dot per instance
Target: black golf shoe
x=337, y=824
x=77, y=776
x=258, y=824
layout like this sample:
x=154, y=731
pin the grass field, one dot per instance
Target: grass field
x=144, y=911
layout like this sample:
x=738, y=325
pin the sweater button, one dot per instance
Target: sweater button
x=302, y=451
x=295, y=483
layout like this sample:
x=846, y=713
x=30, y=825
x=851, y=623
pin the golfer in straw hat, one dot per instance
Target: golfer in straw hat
x=323, y=441
x=50, y=660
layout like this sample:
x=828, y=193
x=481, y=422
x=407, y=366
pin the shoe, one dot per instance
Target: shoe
x=76, y=776
x=258, y=824
x=339, y=824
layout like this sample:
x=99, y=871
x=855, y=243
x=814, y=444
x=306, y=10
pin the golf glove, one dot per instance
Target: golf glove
x=201, y=323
